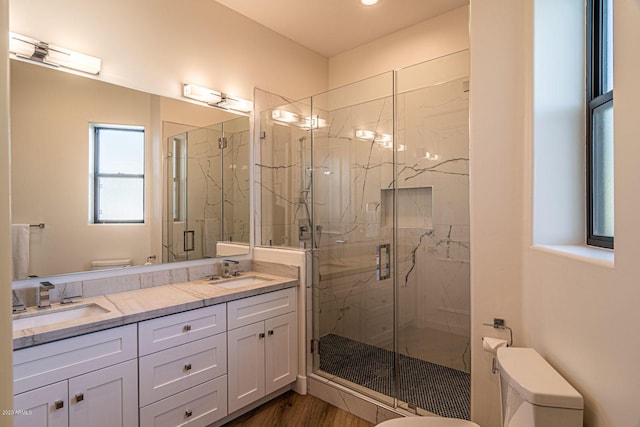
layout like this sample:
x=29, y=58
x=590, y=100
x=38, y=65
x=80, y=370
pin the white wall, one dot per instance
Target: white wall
x=429, y=39
x=6, y=346
x=156, y=45
x=497, y=110
x=580, y=314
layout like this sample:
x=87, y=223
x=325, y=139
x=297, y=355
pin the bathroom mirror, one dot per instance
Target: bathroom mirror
x=52, y=114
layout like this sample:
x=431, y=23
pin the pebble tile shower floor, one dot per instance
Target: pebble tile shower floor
x=438, y=389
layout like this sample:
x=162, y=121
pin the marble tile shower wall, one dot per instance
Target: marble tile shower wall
x=236, y=187
x=206, y=180
x=284, y=202
x=435, y=120
x=433, y=256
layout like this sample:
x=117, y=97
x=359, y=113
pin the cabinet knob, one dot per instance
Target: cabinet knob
x=261, y=335
x=187, y=367
x=79, y=397
x=188, y=413
x=270, y=332
x=186, y=328
x=59, y=404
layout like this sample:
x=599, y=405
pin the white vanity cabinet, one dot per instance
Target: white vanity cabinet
x=84, y=381
x=183, y=366
x=262, y=346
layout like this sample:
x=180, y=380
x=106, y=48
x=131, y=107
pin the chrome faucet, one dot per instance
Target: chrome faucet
x=42, y=296
x=230, y=268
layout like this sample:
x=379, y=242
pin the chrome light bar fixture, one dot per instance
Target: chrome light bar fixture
x=304, y=122
x=216, y=99
x=24, y=47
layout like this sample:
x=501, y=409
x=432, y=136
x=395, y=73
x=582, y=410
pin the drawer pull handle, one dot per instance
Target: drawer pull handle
x=187, y=367
x=188, y=413
x=79, y=397
x=59, y=404
x=261, y=335
x=270, y=332
x=186, y=328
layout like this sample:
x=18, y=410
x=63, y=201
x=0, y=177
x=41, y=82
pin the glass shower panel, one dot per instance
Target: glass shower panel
x=432, y=254
x=196, y=199
x=353, y=296
x=235, y=178
x=284, y=175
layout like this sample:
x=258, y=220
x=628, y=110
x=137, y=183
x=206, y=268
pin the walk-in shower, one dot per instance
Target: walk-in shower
x=207, y=192
x=384, y=164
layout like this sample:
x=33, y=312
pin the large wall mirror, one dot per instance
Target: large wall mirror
x=193, y=182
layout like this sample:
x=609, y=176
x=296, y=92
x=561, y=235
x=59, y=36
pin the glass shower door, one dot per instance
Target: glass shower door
x=353, y=200
x=195, y=169
x=432, y=274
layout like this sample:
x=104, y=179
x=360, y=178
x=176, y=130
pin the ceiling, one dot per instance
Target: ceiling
x=330, y=27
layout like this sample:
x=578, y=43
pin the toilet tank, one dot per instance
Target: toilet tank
x=533, y=393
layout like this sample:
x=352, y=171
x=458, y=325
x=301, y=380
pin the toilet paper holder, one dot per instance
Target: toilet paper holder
x=499, y=324
x=491, y=345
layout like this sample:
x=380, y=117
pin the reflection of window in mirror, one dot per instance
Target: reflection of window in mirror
x=118, y=174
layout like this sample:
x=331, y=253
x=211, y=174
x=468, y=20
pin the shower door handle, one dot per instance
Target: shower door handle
x=383, y=261
x=189, y=237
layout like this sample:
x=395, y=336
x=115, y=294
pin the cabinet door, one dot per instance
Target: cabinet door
x=245, y=365
x=107, y=397
x=43, y=407
x=281, y=351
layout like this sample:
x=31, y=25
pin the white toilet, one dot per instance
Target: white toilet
x=533, y=395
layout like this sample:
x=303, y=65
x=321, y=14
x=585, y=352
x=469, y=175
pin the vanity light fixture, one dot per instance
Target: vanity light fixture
x=285, y=116
x=314, y=122
x=365, y=134
x=237, y=104
x=24, y=47
x=216, y=99
x=384, y=139
x=368, y=2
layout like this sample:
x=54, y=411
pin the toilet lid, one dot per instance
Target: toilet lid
x=427, y=422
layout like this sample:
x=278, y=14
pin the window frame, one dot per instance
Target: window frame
x=595, y=98
x=96, y=128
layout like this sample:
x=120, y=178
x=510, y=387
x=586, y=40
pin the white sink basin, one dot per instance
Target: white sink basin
x=51, y=316
x=241, y=281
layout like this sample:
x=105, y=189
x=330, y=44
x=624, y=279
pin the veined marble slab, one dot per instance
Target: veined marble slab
x=143, y=304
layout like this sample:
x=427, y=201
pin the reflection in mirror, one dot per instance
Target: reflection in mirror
x=207, y=213
x=51, y=114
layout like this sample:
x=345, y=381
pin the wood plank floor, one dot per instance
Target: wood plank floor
x=295, y=410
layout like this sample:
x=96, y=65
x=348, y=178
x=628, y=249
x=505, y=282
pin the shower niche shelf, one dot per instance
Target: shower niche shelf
x=414, y=207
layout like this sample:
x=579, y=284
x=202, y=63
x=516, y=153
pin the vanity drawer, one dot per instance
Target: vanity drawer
x=170, y=331
x=176, y=369
x=199, y=406
x=52, y=362
x=261, y=307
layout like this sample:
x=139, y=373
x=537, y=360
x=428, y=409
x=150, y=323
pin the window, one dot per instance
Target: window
x=118, y=174
x=600, y=225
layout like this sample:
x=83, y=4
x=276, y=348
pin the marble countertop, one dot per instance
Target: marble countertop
x=139, y=305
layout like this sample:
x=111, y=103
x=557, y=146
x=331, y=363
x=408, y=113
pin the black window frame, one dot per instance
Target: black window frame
x=97, y=174
x=595, y=97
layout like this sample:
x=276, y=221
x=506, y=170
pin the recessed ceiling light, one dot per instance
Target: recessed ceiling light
x=368, y=2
